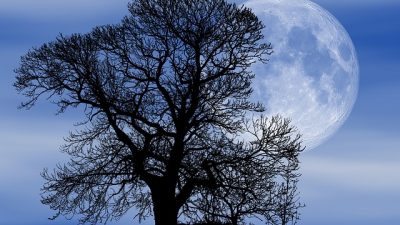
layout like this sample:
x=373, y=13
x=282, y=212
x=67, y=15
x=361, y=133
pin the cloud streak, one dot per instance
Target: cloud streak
x=67, y=9
x=352, y=175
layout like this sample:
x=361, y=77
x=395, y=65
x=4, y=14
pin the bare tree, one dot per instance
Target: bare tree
x=286, y=201
x=164, y=93
x=262, y=183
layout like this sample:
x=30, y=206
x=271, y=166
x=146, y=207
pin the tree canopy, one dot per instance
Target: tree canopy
x=166, y=97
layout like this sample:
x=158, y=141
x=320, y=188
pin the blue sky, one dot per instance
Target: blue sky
x=352, y=179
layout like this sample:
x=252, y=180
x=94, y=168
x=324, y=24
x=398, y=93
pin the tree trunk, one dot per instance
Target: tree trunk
x=164, y=206
x=235, y=220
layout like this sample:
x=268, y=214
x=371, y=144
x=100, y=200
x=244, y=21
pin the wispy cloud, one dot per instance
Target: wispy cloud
x=352, y=179
x=353, y=175
x=60, y=8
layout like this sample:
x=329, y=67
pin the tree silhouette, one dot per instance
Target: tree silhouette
x=165, y=95
x=264, y=185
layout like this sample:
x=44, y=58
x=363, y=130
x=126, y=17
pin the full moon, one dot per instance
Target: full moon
x=312, y=75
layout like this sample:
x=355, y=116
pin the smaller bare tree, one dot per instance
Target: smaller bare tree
x=286, y=202
x=264, y=186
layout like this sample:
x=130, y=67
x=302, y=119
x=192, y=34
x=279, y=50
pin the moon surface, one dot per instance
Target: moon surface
x=312, y=75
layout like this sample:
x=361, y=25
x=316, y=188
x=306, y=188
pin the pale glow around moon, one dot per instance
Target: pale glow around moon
x=312, y=76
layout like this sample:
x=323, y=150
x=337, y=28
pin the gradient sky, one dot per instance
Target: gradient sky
x=352, y=179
